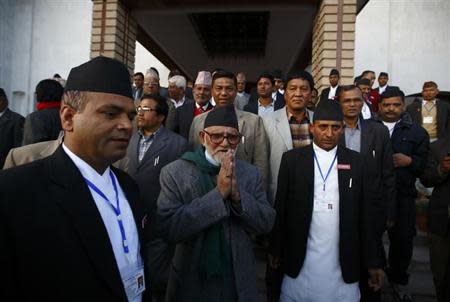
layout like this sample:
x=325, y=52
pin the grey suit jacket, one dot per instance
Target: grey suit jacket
x=279, y=140
x=186, y=213
x=26, y=154
x=253, y=147
x=165, y=148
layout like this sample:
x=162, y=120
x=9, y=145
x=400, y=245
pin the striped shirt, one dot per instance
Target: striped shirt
x=299, y=130
x=144, y=143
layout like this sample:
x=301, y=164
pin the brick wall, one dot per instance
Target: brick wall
x=113, y=32
x=334, y=41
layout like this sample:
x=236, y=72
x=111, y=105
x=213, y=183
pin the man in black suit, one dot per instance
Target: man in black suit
x=383, y=79
x=431, y=113
x=191, y=108
x=321, y=234
x=371, y=140
x=138, y=88
x=74, y=233
x=332, y=92
x=437, y=175
x=11, y=128
x=268, y=100
x=151, y=148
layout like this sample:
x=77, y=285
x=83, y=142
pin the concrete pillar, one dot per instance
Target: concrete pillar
x=113, y=32
x=334, y=41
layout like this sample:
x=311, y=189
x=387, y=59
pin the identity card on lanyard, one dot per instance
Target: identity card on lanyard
x=133, y=273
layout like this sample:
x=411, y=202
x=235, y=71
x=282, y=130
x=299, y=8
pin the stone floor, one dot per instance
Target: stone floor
x=421, y=282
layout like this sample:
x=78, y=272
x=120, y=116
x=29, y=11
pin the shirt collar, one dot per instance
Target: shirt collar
x=358, y=124
x=141, y=133
x=204, y=107
x=306, y=116
x=433, y=101
x=274, y=95
x=86, y=170
x=319, y=150
x=260, y=105
x=3, y=112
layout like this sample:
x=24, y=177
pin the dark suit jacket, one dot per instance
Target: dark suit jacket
x=438, y=216
x=11, y=131
x=412, y=140
x=326, y=91
x=165, y=148
x=54, y=242
x=139, y=94
x=185, y=116
x=294, y=206
x=376, y=150
x=41, y=126
x=252, y=105
x=442, y=115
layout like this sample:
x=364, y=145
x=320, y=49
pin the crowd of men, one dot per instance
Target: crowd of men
x=114, y=192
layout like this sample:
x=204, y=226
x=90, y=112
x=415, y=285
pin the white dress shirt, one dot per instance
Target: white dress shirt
x=381, y=89
x=365, y=111
x=104, y=184
x=390, y=126
x=332, y=92
x=320, y=278
x=178, y=104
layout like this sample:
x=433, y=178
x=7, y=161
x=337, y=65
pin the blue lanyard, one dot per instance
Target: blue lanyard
x=320, y=170
x=115, y=209
x=426, y=108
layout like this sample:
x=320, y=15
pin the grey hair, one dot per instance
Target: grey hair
x=150, y=73
x=75, y=99
x=179, y=81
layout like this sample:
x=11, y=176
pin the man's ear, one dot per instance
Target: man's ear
x=67, y=114
x=201, y=135
x=311, y=129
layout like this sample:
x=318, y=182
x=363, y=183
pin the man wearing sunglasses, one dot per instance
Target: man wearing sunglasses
x=210, y=204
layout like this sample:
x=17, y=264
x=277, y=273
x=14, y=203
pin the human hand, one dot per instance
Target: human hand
x=225, y=177
x=401, y=160
x=445, y=164
x=274, y=262
x=376, y=278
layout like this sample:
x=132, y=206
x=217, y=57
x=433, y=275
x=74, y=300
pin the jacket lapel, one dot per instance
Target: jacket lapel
x=344, y=180
x=73, y=196
x=283, y=129
x=133, y=151
x=366, y=137
x=159, y=141
x=306, y=165
x=441, y=117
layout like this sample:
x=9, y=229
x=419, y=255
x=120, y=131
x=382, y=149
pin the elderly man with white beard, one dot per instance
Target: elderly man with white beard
x=209, y=204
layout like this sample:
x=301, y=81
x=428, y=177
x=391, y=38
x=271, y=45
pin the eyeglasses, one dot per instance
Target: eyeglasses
x=217, y=138
x=144, y=109
x=150, y=84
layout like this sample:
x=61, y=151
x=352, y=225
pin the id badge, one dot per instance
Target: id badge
x=323, y=206
x=428, y=120
x=134, y=281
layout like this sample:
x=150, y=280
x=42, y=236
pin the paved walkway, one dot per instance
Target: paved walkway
x=421, y=282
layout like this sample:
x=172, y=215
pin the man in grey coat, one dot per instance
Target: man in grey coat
x=209, y=204
x=253, y=147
